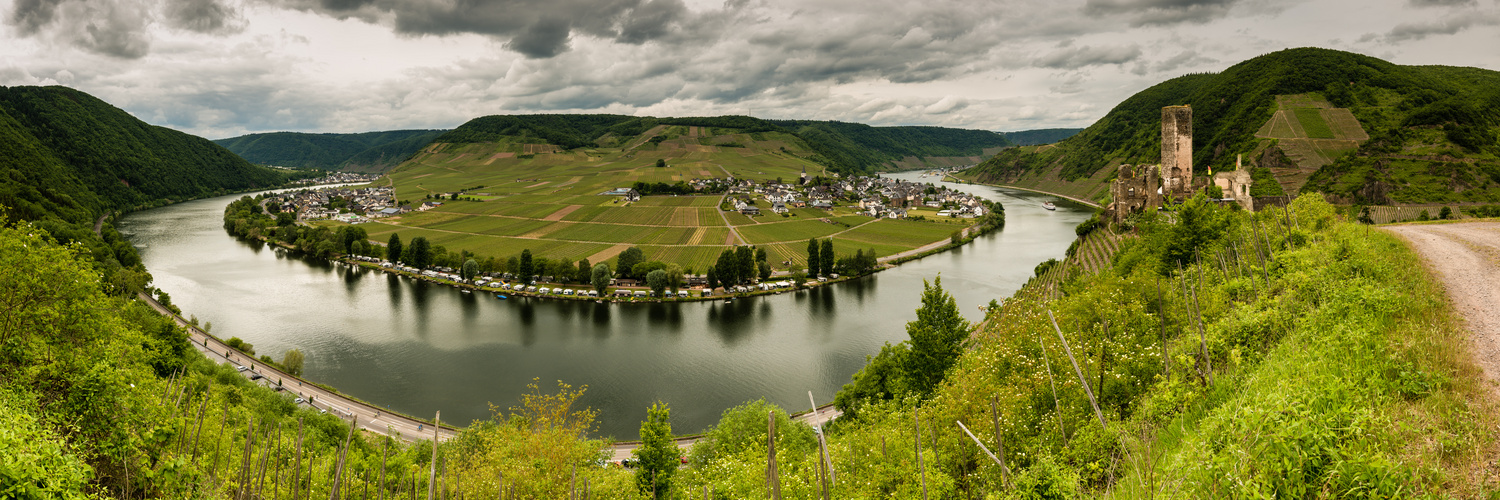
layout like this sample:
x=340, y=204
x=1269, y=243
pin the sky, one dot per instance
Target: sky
x=222, y=68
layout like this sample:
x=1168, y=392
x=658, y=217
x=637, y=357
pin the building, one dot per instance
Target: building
x=1138, y=188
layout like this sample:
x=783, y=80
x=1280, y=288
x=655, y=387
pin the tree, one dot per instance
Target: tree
x=764, y=270
x=825, y=266
x=657, y=280
x=642, y=269
x=937, y=337
x=349, y=235
x=393, y=248
x=760, y=255
x=469, y=270
x=292, y=362
x=583, y=270
x=674, y=277
x=728, y=269
x=813, y=261
x=658, y=455
x=1446, y=213
x=600, y=277
x=420, y=253
x=660, y=163
x=744, y=261
x=713, y=278
x=628, y=259
x=526, y=270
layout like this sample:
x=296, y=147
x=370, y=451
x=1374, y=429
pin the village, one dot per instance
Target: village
x=873, y=196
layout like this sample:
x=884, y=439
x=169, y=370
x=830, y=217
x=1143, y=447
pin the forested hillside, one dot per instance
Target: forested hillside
x=1434, y=118
x=844, y=147
x=1040, y=136
x=365, y=152
x=69, y=158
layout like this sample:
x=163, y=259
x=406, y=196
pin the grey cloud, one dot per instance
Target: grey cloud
x=1078, y=57
x=204, y=16
x=1155, y=12
x=111, y=27
x=535, y=28
x=1447, y=26
x=32, y=15
x=544, y=39
x=1442, y=3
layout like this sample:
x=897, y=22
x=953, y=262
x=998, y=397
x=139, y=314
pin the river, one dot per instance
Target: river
x=419, y=348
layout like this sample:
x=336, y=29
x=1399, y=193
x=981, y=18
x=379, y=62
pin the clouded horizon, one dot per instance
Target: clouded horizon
x=221, y=68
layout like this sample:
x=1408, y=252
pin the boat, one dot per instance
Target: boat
x=465, y=290
x=501, y=297
x=1048, y=205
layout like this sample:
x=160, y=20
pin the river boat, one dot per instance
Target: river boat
x=466, y=290
x=501, y=297
x=1048, y=205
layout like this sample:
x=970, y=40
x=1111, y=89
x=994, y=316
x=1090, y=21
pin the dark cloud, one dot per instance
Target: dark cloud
x=544, y=39
x=1155, y=12
x=534, y=28
x=115, y=28
x=32, y=15
x=1078, y=57
x=203, y=16
x=1442, y=3
x=1450, y=25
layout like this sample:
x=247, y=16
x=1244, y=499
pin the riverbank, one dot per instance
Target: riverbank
x=1008, y=186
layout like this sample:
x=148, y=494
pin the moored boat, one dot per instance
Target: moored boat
x=1048, y=205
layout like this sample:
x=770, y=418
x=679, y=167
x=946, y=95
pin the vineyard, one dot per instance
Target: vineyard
x=1093, y=253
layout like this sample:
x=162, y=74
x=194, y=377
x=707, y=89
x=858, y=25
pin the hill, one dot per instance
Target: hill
x=1040, y=136
x=364, y=152
x=1432, y=130
x=849, y=148
x=69, y=158
x=513, y=184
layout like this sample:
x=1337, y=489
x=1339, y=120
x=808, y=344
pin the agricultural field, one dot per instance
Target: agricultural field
x=514, y=195
x=1312, y=133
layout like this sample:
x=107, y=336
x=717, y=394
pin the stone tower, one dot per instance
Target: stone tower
x=1176, y=150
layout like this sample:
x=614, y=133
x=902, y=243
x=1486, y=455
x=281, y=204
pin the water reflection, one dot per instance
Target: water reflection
x=419, y=347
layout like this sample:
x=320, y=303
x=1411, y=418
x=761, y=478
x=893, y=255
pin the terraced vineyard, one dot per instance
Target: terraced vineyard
x=516, y=194
x=1312, y=133
x=1094, y=253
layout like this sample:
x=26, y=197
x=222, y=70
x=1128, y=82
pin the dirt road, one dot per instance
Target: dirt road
x=1466, y=257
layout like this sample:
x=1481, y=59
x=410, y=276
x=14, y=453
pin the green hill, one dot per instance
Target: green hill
x=67, y=158
x=369, y=151
x=842, y=147
x=1040, y=136
x=1432, y=129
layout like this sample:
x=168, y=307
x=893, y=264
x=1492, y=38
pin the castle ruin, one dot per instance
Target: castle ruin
x=1137, y=188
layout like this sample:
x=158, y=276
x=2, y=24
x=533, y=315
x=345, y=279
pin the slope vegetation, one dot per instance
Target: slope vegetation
x=366, y=152
x=69, y=158
x=848, y=148
x=1425, y=123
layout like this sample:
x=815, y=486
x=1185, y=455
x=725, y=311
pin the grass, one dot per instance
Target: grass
x=523, y=184
x=1313, y=123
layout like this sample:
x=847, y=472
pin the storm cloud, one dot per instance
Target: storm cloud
x=115, y=28
x=1153, y=12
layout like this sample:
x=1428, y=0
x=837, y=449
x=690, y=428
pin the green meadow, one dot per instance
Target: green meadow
x=515, y=195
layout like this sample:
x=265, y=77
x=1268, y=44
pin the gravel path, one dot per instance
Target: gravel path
x=1466, y=256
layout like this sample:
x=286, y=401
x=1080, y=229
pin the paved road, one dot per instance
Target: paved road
x=1466, y=258
x=371, y=418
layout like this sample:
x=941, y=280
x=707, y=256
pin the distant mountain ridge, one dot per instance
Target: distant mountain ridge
x=841, y=146
x=1432, y=130
x=69, y=158
x=1040, y=136
x=361, y=152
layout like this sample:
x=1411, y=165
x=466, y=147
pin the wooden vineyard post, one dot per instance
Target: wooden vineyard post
x=1079, y=371
x=986, y=450
x=432, y=473
x=384, y=452
x=223, y=415
x=297, y=470
x=198, y=431
x=1161, y=311
x=921, y=468
x=773, y=478
x=999, y=440
x=338, y=474
x=822, y=441
x=245, y=459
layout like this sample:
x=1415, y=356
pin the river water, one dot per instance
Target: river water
x=420, y=348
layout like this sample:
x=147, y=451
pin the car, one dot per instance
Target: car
x=299, y=401
x=256, y=376
x=241, y=368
